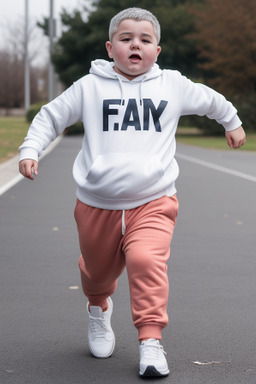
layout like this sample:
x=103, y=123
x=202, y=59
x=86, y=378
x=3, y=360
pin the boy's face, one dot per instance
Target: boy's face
x=133, y=48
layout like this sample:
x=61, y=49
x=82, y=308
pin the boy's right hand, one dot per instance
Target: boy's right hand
x=28, y=167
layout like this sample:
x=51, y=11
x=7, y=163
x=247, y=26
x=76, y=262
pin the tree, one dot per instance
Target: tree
x=226, y=39
x=12, y=65
x=84, y=41
x=11, y=80
x=178, y=52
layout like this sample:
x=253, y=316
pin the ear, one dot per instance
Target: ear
x=109, y=49
x=158, y=50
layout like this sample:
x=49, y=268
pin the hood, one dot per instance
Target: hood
x=105, y=69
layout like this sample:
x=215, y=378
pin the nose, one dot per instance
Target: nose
x=135, y=44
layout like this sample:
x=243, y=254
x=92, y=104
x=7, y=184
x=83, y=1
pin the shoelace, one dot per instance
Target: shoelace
x=152, y=351
x=98, y=325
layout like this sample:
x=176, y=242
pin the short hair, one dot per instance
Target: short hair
x=138, y=14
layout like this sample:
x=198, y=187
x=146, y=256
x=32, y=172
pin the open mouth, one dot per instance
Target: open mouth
x=135, y=58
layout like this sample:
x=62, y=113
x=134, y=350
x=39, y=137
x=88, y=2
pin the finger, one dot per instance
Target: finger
x=28, y=172
x=36, y=168
x=22, y=169
x=229, y=141
x=239, y=143
x=244, y=140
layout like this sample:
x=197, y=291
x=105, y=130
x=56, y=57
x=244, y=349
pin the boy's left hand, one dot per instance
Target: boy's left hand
x=236, y=138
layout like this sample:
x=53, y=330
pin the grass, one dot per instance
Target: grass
x=14, y=129
x=192, y=136
x=12, y=133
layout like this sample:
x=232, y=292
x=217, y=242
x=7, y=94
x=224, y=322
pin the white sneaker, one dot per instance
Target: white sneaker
x=152, y=359
x=101, y=338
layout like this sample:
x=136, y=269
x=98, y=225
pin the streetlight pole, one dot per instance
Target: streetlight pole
x=50, y=68
x=26, y=62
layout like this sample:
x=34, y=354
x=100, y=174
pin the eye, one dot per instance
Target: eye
x=126, y=39
x=146, y=41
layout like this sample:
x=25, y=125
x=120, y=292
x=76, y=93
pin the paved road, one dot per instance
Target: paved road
x=212, y=331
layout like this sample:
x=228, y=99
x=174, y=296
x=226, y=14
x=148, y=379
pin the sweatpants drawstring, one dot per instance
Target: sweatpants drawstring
x=123, y=222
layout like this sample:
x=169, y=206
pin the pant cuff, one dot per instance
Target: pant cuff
x=150, y=331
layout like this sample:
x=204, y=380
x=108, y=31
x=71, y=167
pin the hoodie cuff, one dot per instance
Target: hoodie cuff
x=28, y=153
x=233, y=124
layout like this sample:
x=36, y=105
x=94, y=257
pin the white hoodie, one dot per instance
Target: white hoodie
x=127, y=156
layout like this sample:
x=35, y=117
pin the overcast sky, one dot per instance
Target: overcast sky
x=13, y=11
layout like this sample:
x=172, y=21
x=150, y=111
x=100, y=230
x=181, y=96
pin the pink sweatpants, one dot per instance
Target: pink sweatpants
x=139, y=239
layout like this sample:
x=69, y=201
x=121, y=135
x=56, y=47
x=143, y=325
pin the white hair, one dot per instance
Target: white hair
x=138, y=14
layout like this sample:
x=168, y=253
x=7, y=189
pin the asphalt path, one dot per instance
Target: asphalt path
x=212, y=268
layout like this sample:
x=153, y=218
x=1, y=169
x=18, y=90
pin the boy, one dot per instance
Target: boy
x=126, y=198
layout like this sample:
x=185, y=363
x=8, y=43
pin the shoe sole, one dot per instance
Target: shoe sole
x=151, y=371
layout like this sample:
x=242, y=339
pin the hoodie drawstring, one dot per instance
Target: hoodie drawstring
x=122, y=89
x=140, y=91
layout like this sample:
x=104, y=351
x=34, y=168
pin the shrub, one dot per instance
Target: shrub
x=75, y=129
x=245, y=106
x=33, y=110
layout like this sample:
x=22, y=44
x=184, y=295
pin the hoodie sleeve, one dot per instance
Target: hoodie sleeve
x=201, y=100
x=51, y=121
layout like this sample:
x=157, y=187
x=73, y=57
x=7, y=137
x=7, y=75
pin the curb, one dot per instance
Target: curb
x=9, y=173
